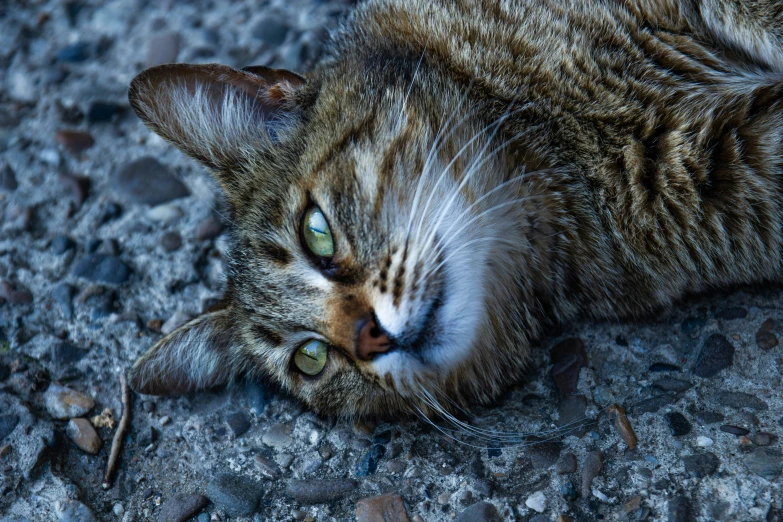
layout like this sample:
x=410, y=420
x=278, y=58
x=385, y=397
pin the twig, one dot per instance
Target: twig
x=116, y=444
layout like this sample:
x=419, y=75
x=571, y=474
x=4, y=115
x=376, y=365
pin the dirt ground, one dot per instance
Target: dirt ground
x=94, y=263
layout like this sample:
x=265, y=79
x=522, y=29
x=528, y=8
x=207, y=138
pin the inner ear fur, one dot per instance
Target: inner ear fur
x=215, y=113
x=200, y=354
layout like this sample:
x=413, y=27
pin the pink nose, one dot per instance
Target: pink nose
x=372, y=340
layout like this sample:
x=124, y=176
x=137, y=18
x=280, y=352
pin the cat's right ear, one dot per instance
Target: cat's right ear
x=200, y=354
x=217, y=114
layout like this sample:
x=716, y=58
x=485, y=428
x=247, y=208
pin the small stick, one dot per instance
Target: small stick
x=116, y=444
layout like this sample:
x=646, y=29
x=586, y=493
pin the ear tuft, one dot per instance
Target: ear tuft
x=215, y=113
x=199, y=354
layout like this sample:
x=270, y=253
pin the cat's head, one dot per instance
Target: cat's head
x=369, y=269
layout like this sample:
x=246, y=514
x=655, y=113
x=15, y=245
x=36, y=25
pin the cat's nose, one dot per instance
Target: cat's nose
x=372, y=339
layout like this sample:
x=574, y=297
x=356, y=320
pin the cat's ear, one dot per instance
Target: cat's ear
x=215, y=113
x=199, y=354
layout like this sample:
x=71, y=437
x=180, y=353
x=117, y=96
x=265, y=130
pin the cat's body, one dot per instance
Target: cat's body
x=485, y=168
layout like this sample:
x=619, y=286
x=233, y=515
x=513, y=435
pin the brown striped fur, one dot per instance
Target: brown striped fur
x=649, y=132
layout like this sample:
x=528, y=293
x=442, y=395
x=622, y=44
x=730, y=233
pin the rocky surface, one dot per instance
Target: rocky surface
x=109, y=238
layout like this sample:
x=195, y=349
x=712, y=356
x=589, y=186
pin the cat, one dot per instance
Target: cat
x=455, y=176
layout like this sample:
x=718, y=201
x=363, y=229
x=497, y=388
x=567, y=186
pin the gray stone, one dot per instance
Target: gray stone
x=61, y=244
x=238, y=422
x=678, y=424
x=236, y=494
x=148, y=181
x=672, y=384
x=737, y=400
x=171, y=241
x=571, y=411
x=66, y=353
x=369, y=462
x=81, y=432
x=68, y=510
x=543, y=454
x=319, y=491
x=65, y=403
x=278, y=436
x=182, y=507
x=591, y=467
x=8, y=423
x=8, y=179
x=701, y=465
x=480, y=512
x=162, y=48
x=271, y=30
x=101, y=267
x=568, y=358
x=765, y=462
x=716, y=354
x=566, y=464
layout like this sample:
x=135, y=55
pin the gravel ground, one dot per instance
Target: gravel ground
x=109, y=236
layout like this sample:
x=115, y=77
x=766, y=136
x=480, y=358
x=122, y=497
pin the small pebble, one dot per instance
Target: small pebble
x=703, y=441
x=8, y=423
x=61, y=244
x=165, y=213
x=591, y=467
x=543, y=454
x=765, y=337
x=716, y=354
x=238, y=422
x=162, y=48
x=701, y=465
x=236, y=494
x=8, y=179
x=14, y=295
x=739, y=400
x=267, y=468
x=74, y=141
x=664, y=367
x=171, y=241
x=77, y=52
x=100, y=267
x=369, y=462
x=319, y=491
x=182, y=507
x=537, y=502
x=154, y=325
x=147, y=181
x=68, y=510
x=271, y=30
x=600, y=495
x=208, y=229
x=566, y=464
x=278, y=436
x=65, y=403
x=383, y=508
x=672, y=384
x=678, y=424
x=763, y=438
x=730, y=314
x=101, y=111
x=66, y=353
x=480, y=512
x=81, y=432
x=164, y=420
x=765, y=462
x=734, y=430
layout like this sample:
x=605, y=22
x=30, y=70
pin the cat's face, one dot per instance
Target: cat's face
x=368, y=240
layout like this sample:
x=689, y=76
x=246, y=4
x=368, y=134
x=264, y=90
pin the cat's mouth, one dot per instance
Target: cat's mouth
x=416, y=341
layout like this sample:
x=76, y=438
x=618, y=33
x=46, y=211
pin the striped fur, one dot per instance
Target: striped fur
x=488, y=168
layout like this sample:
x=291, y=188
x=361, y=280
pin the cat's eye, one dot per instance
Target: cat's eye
x=310, y=358
x=317, y=234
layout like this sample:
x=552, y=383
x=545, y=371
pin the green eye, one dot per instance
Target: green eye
x=317, y=234
x=310, y=358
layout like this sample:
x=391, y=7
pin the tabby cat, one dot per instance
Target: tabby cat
x=455, y=175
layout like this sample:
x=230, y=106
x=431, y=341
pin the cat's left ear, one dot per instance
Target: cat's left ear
x=200, y=354
x=215, y=113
